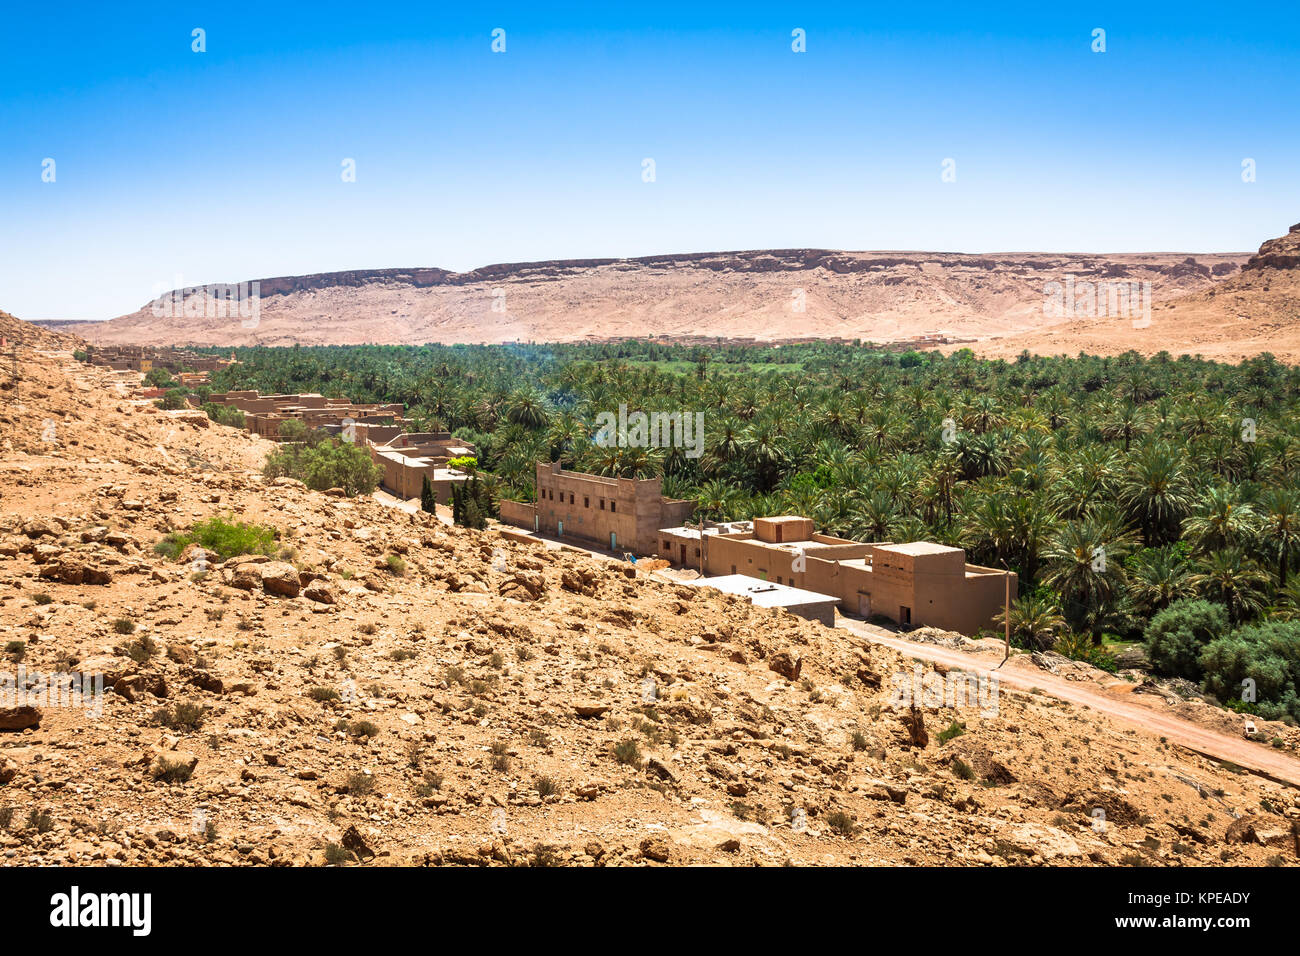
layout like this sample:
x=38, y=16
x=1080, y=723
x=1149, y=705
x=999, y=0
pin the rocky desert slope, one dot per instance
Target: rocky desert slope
x=1255, y=310
x=388, y=689
x=769, y=295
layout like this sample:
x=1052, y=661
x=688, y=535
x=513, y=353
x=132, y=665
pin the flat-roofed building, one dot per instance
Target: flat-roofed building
x=805, y=604
x=620, y=514
x=916, y=583
x=408, y=458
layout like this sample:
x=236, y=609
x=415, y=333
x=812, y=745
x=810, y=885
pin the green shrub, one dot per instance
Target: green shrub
x=226, y=538
x=1267, y=654
x=141, y=649
x=224, y=414
x=335, y=855
x=181, y=716
x=172, y=771
x=174, y=398
x=1177, y=635
x=840, y=822
x=1079, y=647
x=325, y=463
x=159, y=378
x=955, y=729
x=359, y=783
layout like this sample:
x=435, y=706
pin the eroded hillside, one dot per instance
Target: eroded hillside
x=766, y=295
x=389, y=685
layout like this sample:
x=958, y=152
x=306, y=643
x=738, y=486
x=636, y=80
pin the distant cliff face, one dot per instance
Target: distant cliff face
x=1253, y=310
x=765, y=295
x=1280, y=253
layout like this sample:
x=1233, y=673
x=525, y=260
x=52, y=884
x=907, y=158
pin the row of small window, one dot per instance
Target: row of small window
x=548, y=494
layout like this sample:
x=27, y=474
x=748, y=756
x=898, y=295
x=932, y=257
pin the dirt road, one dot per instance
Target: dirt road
x=1256, y=757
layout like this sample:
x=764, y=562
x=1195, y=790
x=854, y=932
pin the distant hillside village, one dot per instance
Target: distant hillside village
x=774, y=561
x=144, y=359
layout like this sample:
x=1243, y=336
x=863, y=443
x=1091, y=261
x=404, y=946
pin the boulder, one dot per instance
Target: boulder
x=320, y=592
x=656, y=848
x=523, y=586
x=41, y=528
x=353, y=841
x=19, y=718
x=1048, y=842
x=281, y=578
x=73, y=569
x=246, y=577
x=786, y=663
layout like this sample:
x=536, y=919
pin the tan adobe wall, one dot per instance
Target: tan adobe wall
x=588, y=507
x=936, y=589
x=783, y=528
x=518, y=513
x=591, y=507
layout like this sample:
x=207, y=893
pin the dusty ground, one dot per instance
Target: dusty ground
x=485, y=694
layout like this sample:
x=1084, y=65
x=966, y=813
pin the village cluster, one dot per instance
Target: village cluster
x=779, y=561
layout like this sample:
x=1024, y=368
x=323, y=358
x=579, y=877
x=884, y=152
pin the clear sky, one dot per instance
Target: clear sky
x=227, y=164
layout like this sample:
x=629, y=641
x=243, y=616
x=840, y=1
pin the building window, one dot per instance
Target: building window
x=586, y=502
x=570, y=497
x=613, y=506
x=602, y=504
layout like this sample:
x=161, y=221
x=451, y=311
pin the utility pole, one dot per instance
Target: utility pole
x=1006, y=611
x=701, y=546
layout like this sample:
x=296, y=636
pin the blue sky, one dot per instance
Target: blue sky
x=226, y=165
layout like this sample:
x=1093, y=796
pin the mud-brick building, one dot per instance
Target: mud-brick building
x=620, y=514
x=407, y=459
x=918, y=582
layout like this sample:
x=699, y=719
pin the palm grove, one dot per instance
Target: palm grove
x=1138, y=499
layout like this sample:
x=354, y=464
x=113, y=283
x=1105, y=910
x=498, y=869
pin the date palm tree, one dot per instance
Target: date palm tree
x=1220, y=520
x=1084, y=568
x=1036, y=622
x=1156, y=492
x=1226, y=576
x=1157, y=578
x=1280, y=527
